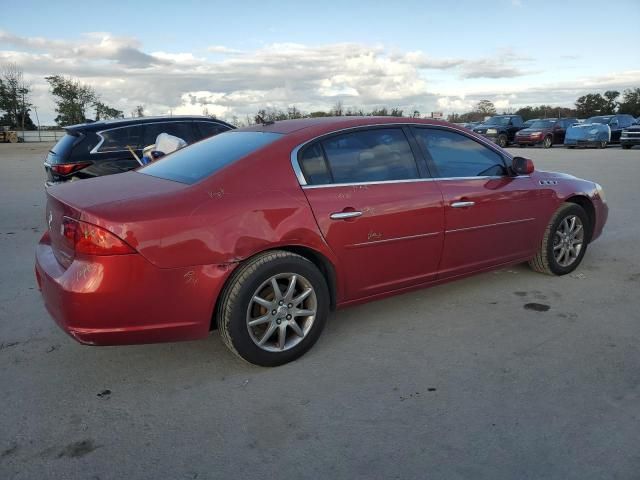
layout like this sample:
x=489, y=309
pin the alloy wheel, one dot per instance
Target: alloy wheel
x=568, y=240
x=281, y=312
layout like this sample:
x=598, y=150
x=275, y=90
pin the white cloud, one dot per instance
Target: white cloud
x=285, y=74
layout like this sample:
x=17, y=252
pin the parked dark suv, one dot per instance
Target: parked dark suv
x=501, y=128
x=546, y=132
x=102, y=148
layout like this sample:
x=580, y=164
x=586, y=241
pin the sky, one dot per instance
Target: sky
x=232, y=58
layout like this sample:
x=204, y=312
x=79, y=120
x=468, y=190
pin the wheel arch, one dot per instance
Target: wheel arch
x=587, y=205
x=323, y=264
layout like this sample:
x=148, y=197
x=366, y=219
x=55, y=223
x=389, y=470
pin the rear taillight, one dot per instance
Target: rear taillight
x=92, y=240
x=68, y=168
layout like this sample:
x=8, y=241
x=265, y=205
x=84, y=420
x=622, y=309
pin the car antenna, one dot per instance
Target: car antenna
x=259, y=119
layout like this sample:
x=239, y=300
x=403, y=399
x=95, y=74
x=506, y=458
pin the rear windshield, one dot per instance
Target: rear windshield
x=61, y=150
x=197, y=161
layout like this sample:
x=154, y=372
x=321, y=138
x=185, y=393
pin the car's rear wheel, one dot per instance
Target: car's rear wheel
x=602, y=144
x=571, y=147
x=547, y=142
x=274, y=308
x=626, y=147
x=502, y=140
x=564, y=242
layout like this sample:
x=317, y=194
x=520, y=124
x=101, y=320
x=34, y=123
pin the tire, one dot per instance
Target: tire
x=254, y=279
x=502, y=140
x=549, y=258
x=626, y=147
x=571, y=147
x=602, y=144
x=547, y=142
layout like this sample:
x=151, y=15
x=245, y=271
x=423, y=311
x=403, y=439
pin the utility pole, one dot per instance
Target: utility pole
x=37, y=120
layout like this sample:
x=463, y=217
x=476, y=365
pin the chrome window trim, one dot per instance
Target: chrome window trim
x=303, y=182
x=99, y=144
x=410, y=180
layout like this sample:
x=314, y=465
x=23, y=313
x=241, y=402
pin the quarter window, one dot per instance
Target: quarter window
x=361, y=156
x=119, y=139
x=456, y=155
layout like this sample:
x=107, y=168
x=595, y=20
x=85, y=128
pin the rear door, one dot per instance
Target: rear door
x=376, y=207
x=490, y=216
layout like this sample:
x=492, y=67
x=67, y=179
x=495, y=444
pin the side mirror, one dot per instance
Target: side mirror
x=522, y=166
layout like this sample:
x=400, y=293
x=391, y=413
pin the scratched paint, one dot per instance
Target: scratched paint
x=216, y=194
x=190, y=278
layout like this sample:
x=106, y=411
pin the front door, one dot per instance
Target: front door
x=490, y=216
x=376, y=208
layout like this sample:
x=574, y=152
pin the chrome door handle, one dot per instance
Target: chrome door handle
x=462, y=204
x=343, y=215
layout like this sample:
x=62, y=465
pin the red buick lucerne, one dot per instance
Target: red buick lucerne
x=262, y=231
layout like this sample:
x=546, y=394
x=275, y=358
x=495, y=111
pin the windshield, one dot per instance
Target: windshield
x=498, y=121
x=543, y=124
x=193, y=163
x=603, y=120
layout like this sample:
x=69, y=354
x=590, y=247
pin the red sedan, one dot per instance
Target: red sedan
x=262, y=231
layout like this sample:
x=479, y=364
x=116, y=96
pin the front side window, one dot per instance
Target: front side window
x=456, y=155
x=362, y=156
x=118, y=139
x=201, y=159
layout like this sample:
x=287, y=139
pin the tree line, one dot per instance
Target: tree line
x=586, y=106
x=75, y=101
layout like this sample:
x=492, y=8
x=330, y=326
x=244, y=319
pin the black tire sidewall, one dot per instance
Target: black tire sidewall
x=237, y=326
x=544, y=142
x=554, y=266
x=502, y=140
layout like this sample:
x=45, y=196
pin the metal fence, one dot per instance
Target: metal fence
x=41, y=136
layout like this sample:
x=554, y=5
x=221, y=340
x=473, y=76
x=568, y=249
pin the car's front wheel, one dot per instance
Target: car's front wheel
x=502, y=140
x=602, y=144
x=564, y=242
x=547, y=142
x=274, y=308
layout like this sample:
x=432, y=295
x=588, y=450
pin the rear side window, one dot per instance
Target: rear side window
x=362, y=156
x=209, y=129
x=62, y=150
x=118, y=139
x=197, y=161
x=456, y=155
x=183, y=130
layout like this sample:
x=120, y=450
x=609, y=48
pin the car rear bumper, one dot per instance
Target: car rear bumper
x=124, y=299
x=529, y=140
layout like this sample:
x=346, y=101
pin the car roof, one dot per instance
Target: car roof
x=125, y=122
x=328, y=124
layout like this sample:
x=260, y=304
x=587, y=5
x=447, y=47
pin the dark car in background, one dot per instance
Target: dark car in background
x=630, y=136
x=598, y=131
x=547, y=132
x=501, y=128
x=105, y=147
x=530, y=122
